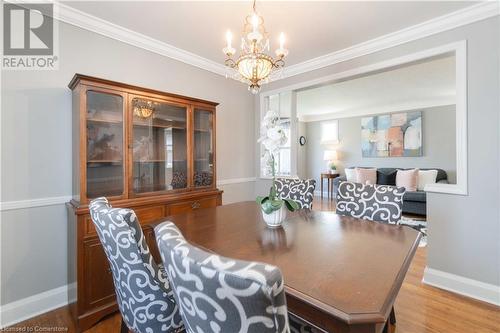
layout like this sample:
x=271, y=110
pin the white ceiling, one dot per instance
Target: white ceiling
x=312, y=28
x=419, y=85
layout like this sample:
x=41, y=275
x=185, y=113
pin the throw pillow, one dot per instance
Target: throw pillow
x=366, y=176
x=350, y=175
x=426, y=177
x=407, y=179
x=386, y=178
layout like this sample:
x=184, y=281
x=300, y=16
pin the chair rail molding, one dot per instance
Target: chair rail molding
x=32, y=203
x=52, y=201
x=467, y=15
x=461, y=285
x=224, y=182
x=459, y=49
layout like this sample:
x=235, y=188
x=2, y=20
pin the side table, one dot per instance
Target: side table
x=329, y=177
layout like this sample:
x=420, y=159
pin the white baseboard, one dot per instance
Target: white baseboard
x=464, y=286
x=35, y=305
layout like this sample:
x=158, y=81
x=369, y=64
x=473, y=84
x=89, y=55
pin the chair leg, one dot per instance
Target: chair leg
x=392, y=317
x=124, y=328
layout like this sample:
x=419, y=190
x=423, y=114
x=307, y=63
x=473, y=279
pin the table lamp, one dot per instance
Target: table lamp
x=330, y=156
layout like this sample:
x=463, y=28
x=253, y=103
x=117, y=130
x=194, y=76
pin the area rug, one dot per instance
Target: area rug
x=419, y=225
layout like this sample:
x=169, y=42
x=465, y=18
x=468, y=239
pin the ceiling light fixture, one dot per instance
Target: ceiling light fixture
x=253, y=66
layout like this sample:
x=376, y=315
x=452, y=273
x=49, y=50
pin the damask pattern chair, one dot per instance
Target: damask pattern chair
x=218, y=294
x=299, y=190
x=143, y=292
x=380, y=203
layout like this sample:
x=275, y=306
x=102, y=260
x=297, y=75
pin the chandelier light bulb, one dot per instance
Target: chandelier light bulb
x=255, y=22
x=282, y=40
x=229, y=38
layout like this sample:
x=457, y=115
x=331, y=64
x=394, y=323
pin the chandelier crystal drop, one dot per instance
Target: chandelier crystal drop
x=253, y=66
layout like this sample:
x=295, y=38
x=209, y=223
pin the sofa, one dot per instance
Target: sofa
x=414, y=202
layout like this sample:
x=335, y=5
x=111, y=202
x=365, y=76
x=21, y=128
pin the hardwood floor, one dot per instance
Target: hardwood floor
x=419, y=308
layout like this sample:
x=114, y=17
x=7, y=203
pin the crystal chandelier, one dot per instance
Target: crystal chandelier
x=254, y=67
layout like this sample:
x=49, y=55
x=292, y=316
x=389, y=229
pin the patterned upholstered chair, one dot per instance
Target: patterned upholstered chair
x=218, y=294
x=143, y=292
x=299, y=190
x=380, y=203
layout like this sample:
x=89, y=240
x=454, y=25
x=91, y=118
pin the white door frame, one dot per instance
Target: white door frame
x=459, y=49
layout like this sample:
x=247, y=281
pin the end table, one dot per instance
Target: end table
x=330, y=177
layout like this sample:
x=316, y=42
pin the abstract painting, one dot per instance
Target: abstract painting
x=392, y=135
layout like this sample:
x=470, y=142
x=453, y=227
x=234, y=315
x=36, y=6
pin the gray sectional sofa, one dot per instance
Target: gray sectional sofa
x=413, y=202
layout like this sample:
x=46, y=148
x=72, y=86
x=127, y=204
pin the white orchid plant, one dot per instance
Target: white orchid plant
x=272, y=138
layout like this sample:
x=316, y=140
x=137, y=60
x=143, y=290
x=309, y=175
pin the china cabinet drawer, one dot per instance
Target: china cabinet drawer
x=188, y=206
x=144, y=214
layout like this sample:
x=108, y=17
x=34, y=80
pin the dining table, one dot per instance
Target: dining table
x=341, y=274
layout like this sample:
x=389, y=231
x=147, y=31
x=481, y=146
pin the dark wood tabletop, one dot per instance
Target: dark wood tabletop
x=341, y=273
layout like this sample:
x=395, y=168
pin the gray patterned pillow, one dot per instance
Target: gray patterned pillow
x=298, y=190
x=381, y=203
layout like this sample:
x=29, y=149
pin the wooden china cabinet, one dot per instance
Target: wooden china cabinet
x=147, y=150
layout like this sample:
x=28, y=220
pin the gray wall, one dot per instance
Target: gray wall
x=464, y=231
x=36, y=145
x=438, y=145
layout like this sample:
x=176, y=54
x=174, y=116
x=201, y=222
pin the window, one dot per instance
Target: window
x=330, y=132
x=283, y=165
x=283, y=161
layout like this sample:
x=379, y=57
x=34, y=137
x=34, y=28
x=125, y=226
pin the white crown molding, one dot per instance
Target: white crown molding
x=434, y=26
x=31, y=203
x=29, y=307
x=399, y=107
x=92, y=23
x=464, y=286
x=439, y=24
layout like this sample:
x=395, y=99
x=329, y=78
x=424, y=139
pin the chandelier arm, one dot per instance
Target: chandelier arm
x=230, y=63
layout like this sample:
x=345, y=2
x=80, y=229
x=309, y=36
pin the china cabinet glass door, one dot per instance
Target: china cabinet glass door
x=105, y=157
x=159, y=144
x=203, y=148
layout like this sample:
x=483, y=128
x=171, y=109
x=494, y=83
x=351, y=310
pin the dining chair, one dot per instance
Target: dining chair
x=143, y=292
x=379, y=203
x=299, y=190
x=219, y=294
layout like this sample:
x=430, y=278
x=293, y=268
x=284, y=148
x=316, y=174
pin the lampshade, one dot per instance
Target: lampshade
x=330, y=155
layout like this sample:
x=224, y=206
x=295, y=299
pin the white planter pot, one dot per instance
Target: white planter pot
x=276, y=218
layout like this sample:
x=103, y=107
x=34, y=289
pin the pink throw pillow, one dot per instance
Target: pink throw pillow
x=366, y=176
x=407, y=179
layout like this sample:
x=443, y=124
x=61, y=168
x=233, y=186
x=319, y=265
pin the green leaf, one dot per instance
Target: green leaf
x=269, y=206
x=260, y=200
x=291, y=205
